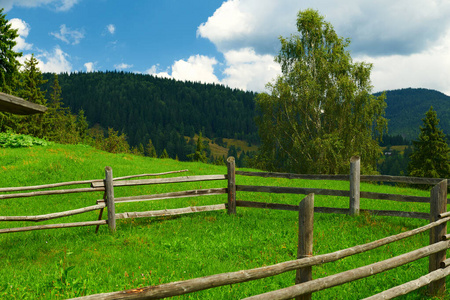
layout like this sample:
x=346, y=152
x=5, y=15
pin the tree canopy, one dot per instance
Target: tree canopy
x=431, y=154
x=320, y=111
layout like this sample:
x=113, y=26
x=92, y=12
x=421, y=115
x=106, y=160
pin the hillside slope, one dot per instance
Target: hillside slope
x=407, y=107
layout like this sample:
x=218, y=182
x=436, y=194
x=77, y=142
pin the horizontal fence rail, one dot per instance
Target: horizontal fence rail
x=202, y=283
x=345, y=177
x=173, y=195
x=162, y=180
x=351, y=275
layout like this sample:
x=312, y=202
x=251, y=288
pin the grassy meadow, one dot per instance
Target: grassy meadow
x=64, y=263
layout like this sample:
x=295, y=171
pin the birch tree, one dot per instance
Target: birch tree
x=320, y=111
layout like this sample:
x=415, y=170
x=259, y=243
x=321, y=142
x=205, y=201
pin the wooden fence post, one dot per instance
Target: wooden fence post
x=305, y=240
x=109, y=189
x=231, y=176
x=355, y=170
x=438, y=205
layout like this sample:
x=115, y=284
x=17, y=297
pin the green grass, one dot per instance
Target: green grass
x=63, y=263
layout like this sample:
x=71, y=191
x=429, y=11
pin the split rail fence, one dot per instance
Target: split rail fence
x=305, y=285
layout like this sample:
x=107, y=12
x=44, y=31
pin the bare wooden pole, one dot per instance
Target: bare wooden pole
x=438, y=205
x=231, y=176
x=109, y=189
x=355, y=174
x=100, y=214
x=305, y=240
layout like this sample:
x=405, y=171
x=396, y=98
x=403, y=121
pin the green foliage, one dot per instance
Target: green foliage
x=12, y=140
x=406, y=108
x=199, y=154
x=71, y=262
x=320, y=112
x=9, y=65
x=32, y=80
x=146, y=107
x=431, y=154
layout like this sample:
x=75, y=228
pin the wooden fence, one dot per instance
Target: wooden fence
x=439, y=240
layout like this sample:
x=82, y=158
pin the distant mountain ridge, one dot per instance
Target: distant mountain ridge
x=407, y=107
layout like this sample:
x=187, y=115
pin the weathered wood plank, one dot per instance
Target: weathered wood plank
x=52, y=226
x=51, y=216
x=410, y=286
x=289, y=207
x=173, y=195
x=163, y=180
x=438, y=205
x=19, y=106
x=394, y=197
x=151, y=174
x=401, y=179
x=305, y=240
x=46, y=186
x=59, y=184
x=396, y=213
x=170, y=212
x=351, y=275
x=294, y=176
x=207, y=282
x=231, y=176
x=109, y=191
x=290, y=190
x=355, y=170
x=333, y=210
x=52, y=192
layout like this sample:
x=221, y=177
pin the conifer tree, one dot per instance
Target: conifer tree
x=199, y=154
x=150, y=149
x=9, y=65
x=32, y=80
x=164, y=154
x=9, y=69
x=431, y=155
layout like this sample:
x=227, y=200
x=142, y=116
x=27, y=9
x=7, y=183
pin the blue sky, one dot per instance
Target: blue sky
x=231, y=42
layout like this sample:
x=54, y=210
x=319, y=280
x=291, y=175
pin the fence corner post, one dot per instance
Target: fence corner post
x=109, y=190
x=355, y=176
x=231, y=176
x=438, y=205
x=305, y=240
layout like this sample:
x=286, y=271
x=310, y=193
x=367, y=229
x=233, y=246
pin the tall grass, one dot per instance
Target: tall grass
x=63, y=263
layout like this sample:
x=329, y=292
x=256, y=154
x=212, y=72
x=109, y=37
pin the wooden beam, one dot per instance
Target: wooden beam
x=52, y=226
x=163, y=180
x=207, y=282
x=52, y=215
x=19, y=106
x=170, y=212
x=351, y=275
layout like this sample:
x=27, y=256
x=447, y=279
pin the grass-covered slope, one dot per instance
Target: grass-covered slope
x=63, y=263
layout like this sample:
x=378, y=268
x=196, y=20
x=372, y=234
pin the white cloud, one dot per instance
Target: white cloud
x=68, y=36
x=90, y=66
x=22, y=29
x=427, y=69
x=111, y=28
x=122, y=66
x=58, y=5
x=51, y=62
x=196, y=68
x=154, y=70
x=249, y=71
x=375, y=27
x=406, y=40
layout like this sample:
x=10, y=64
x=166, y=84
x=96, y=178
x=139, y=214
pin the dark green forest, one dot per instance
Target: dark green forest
x=145, y=107
x=406, y=108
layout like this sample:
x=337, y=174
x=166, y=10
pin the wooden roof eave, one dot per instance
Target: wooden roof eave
x=19, y=106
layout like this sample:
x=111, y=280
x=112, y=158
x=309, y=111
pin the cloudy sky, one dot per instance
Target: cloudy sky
x=231, y=42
